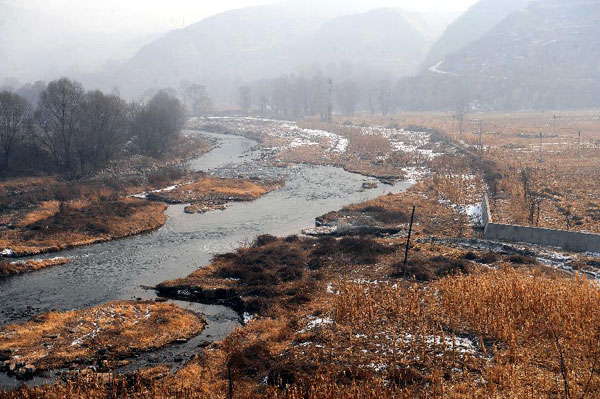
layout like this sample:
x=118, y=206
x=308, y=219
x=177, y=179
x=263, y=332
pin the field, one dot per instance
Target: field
x=551, y=182
x=347, y=316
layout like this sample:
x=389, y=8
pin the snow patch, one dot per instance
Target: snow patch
x=7, y=252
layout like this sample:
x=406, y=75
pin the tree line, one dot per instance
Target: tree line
x=296, y=96
x=59, y=127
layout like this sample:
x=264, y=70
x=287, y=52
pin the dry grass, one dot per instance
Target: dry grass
x=208, y=188
x=8, y=268
x=82, y=223
x=108, y=332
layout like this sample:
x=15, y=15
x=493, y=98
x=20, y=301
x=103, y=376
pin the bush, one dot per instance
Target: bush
x=489, y=258
x=364, y=249
x=432, y=268
x=521, y=260
x=263, y=240
x=386, y=216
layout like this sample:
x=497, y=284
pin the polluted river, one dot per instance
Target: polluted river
x=121, y=269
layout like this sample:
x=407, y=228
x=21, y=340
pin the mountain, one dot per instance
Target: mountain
x=471, y=26
x=381, y=40
x=268, y=41
x=546, y=56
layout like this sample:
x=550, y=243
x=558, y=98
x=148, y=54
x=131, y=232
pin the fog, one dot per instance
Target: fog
x=42, y=40
x=430, y=55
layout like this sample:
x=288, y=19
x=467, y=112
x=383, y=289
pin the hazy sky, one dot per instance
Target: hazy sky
x=147, y=16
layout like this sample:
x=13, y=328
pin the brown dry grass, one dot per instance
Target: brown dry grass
x=8, y=268
x=487, y=335
x=209, y=188
x=110, y=331
x=83, y=223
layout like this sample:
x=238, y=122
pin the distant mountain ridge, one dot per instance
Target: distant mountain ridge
x=471, y=26
x=546, y=56
x=268, y=41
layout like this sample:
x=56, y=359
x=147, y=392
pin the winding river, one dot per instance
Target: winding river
x=120, y=269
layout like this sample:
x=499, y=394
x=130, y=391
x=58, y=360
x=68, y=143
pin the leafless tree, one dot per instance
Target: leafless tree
x=57, y=120
x=199, y=102
x=384, y=96
x=157, y=125
x=103, y=129
x=245, y=99
x=347, y=95
x=14, y=112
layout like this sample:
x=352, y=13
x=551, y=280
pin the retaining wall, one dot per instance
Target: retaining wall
x=568, y=240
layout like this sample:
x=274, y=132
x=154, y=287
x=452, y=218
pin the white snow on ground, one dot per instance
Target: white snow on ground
x=436, y=69
x=316, y=322
x=7, y=252
x=247, y=317
x=297, y=136
x=415, y=174
x=474, y=212
x=162, y=190
x=404, y=140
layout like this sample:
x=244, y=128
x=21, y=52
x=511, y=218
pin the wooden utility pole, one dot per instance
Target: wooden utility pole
x=579, y=145
x=541, y=147
x=412, y=219
x=460, y=124
x=480, y=144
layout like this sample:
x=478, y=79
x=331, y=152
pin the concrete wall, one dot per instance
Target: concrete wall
x=568, y=240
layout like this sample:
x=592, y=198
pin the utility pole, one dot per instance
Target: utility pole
x=461, y=124
x=579, y=145
x=541, y=147
x=412, y=219
x=480, y=144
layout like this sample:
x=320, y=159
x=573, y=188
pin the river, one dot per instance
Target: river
x=120, y=269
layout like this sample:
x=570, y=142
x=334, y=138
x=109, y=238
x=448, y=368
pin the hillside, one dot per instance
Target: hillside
x=381, y=39
x=544, y=56
x=471, y=26
x=267, y=41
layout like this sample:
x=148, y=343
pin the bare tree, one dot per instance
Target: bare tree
x=14, y=111
x=245, y=99
x=57, y=120
x=103, y=129
x=347, y=95
x=157, y=125
x=32, y=92
x=199, y=102
x=384, y=96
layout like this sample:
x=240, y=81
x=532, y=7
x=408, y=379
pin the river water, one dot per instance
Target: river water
x=120, y=269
